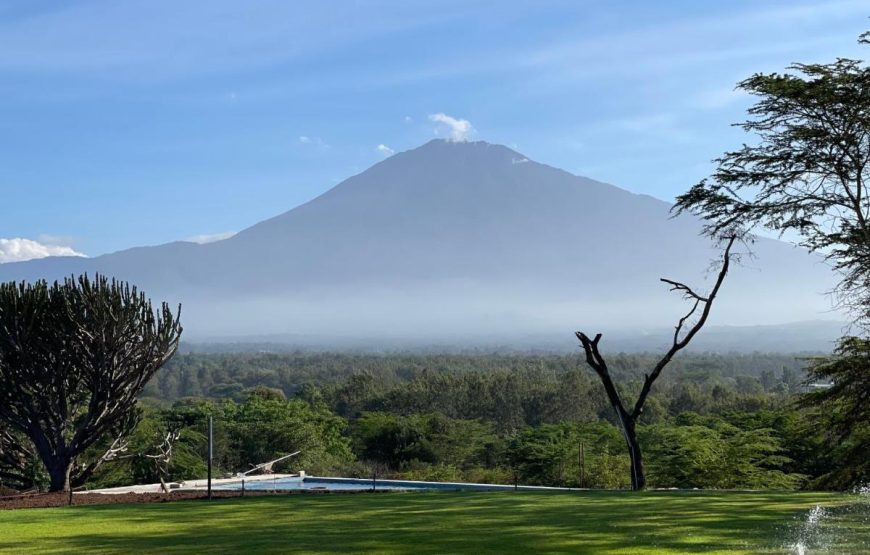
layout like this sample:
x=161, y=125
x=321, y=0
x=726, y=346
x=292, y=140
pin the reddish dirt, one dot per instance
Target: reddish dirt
x=61, y=499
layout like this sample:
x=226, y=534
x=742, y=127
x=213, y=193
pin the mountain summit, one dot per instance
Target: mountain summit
x=456, y=240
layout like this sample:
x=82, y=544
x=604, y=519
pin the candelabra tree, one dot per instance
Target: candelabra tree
x=74, y=356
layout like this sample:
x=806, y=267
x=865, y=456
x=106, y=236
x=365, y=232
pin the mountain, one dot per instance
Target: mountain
x=453, y=241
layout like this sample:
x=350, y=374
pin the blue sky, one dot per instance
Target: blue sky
x=142, y=122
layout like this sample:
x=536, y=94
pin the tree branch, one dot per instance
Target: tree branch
x=678, y=344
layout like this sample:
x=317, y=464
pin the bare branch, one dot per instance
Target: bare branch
x=687, y=291
x=597, y=363
x=678, y=344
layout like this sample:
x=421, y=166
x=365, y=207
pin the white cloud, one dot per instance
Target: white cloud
x=459, y=129
x=385, y=150
x=408, y=119
x=19, y=249
x=316, y=142
x=210, y=237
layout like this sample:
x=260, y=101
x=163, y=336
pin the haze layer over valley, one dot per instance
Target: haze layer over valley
x=457, y=243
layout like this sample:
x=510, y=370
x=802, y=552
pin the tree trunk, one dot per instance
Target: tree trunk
x=638, y=478
x=56, y=460
x=59, y=471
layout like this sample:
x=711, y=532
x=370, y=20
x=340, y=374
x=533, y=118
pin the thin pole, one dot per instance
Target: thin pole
x=210, y=452
x=582, y=466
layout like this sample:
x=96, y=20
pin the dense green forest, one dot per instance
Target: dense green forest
x=231, y=374
x=714, y=421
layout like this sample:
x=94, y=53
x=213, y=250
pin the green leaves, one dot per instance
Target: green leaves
x=710, y=453
x=266, y=427
x=551, y=455
x=400, y=442
x=839, y=404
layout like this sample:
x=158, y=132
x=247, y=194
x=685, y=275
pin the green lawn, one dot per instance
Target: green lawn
x=436, y=522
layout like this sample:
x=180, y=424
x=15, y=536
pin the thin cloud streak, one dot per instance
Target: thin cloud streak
x=384, y=150
x=205, y=238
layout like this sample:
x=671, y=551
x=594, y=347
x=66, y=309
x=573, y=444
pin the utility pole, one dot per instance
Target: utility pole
x=210, y=451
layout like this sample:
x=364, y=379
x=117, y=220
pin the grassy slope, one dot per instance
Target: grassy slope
x=590, y=522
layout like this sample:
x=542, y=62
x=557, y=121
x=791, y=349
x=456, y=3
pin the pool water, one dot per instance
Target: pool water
x=358, y=484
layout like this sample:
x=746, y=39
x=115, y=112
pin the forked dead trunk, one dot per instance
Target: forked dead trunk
x=638, y=479
x=628, y=417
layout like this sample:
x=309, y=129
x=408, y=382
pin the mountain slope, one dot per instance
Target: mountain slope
x=451, y=240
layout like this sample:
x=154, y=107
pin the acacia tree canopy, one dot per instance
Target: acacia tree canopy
x=807, y=172
x=73, y=358
x=842, y=410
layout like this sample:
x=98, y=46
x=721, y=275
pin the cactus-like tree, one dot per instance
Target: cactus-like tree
x=73, y=358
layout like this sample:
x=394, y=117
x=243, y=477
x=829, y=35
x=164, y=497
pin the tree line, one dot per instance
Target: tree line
x=544, y=424
x=230, y=374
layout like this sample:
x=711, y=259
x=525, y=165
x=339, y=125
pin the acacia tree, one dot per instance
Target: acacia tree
x=73, y=358
x=807, y=172
x=627, y=416
x=843, y=409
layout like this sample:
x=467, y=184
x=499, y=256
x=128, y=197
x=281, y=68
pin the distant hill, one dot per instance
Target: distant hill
x=454, y=242
x=816, y=336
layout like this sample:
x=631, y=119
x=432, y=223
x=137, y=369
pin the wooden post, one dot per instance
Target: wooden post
x=582, y=461
x=210, y=452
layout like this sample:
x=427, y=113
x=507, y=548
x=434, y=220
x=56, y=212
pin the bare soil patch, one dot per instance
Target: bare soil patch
x=61, y=499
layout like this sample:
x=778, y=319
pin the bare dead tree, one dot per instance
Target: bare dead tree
x=160, y=454
x=626, y=417
x=117, y=447
x=163, y=456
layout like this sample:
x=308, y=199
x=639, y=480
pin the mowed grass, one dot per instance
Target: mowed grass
x=425, y=523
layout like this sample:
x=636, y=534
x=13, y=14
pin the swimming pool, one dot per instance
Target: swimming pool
x=318, y=483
